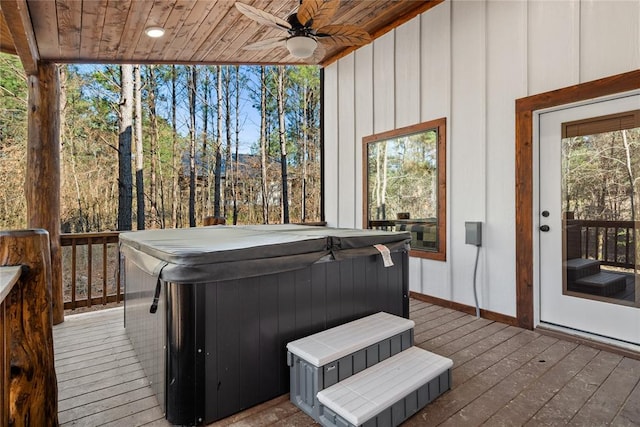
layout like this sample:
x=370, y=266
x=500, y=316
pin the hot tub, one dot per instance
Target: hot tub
x=209, y=310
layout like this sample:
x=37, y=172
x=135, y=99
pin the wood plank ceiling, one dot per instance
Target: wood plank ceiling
x=197, y=31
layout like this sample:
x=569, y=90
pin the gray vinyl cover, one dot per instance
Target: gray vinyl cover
x=193, y=255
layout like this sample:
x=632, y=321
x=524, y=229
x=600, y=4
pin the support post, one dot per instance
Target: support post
x=42, y=185
x=33, y=389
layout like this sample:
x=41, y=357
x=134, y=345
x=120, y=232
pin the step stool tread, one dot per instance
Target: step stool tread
x=364, y=395
x=601, y=279
x=578, y=263
x=326, y=346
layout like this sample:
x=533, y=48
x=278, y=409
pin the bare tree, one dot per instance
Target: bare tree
x=234, y=188
x=217, y=189
x=283, y=145
x=263, y=144
x=139, y=149
x=192, y=77
x=152, y=85
x=175, y=184
x=125, y=185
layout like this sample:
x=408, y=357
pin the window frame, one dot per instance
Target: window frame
x=440, y=125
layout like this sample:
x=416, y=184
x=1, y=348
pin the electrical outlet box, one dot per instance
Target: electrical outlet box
x=473, y=233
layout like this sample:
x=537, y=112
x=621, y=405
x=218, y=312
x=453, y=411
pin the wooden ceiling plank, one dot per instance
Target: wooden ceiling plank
x=93, y=15
x=232, y=42
x=191, y=26
x=383, y=29
x=158, y=17
x=6, y=41
x=45, y=25
x=203, y=31
x=116, y=16
x=69, y=13
x=16, y=14
x=134, y=27
x=172, y=26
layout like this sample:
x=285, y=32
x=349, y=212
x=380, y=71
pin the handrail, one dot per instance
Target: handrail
x=103, y=239
x=8, y=277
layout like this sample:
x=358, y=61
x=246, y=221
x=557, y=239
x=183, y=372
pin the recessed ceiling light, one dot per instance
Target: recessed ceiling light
x=154, y=32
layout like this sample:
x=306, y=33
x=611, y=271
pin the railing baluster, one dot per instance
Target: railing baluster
x=89, y=268
x=586, y=240
x=605, y=244
x=118, y=290
x=626, y=247
x=615, y=244
x=597, y=240
x=74, y=260
x=104, y=271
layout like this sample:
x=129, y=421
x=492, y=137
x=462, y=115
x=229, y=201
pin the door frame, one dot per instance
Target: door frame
x=524, y=148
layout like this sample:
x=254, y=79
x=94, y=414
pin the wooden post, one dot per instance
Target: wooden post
x=33, y=390
x=42, y=185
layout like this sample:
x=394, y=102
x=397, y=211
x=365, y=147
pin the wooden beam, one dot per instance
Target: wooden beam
x=33, y=389
x=42, y=185
x=16, y=15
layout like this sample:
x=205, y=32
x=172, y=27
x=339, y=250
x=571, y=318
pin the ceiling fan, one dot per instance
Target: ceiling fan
x=310, y=24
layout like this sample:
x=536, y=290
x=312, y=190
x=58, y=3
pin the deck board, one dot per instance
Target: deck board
x=502, y=375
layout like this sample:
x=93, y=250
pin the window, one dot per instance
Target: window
x=404, y=185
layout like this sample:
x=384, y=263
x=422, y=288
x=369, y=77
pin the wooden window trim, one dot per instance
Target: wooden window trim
x=441, y=125
x=525, y=108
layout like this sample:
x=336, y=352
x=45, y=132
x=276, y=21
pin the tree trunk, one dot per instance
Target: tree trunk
x=305, y=143
x=283, y=146
x=153, y=147
x=125, y=184
x=33, y=389
x=42, y=186
x=228, y=164
x=139, y=150
x=175, y=193
x=192, y=77
x=235, y=166
x=204, y=157
x=217, y=190
x=263, y=144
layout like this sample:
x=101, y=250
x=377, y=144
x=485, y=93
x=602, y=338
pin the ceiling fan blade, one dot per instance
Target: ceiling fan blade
x=346, y=35
x=262, y=17
x=317, y=13
x=266, y=44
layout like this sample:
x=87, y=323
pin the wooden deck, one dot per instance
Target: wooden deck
x=502, y=376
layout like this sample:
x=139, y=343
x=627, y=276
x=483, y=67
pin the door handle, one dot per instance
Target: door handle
x=544, y=228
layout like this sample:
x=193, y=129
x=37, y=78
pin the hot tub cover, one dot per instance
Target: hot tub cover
x=205, y=254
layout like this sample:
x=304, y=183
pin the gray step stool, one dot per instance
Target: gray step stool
x=323, y=359
x=387, y=393
x=604, y=284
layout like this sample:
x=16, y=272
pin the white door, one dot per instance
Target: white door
x=581, y=189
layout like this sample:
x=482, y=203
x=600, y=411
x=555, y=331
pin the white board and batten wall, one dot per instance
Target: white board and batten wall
x=468, y=61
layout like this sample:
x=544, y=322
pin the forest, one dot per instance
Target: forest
x=164, y=146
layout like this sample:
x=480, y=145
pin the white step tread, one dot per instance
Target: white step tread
x=332, y=344
x=364, y=395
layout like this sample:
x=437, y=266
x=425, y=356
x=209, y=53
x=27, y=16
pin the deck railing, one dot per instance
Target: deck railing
x=610, y=242
x=91, y=269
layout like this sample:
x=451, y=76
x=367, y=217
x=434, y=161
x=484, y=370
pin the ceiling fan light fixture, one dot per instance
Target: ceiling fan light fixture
x=154, y=32
x=301, y=46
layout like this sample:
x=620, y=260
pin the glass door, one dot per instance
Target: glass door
x=589, y=198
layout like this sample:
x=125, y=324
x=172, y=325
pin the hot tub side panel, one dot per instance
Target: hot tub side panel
x=227, y=339
x=146, y=331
